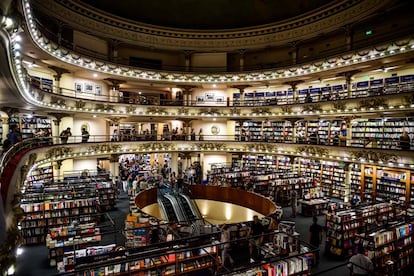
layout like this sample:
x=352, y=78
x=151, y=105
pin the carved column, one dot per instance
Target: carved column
x=114, y=93
x=187, y=128
x=112, y=49
x=59, y=72
x=348, y=170
x=294, y=130
x=60, y=25
x=293, y=85
x=349, y=37
x=56, y=169
x=348, y=78
x=187, y=89
x=241, y=60
x=11, y=112
x=174, y=163
x=56, y=123
x=114, y=164
x=295, y=49
x=187, y=57
x=241, y=89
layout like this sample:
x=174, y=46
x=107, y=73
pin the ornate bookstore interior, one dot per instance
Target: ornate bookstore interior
x=220, y=137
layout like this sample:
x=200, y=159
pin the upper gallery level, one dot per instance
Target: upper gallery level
x=334, y=29
x=78, y=83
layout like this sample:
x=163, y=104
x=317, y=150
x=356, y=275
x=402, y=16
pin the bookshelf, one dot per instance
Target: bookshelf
x=380, y=132
x=333, y=179
x=356, y=179
x=106, y=260
x=106, y=195
x=136, y=230
x=277, y=131
x=384, y=184
x=345, y=226
x=40, y=175
x=63, y=239
x=391, y=249
x=55, y=204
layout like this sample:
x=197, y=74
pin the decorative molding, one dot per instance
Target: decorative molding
x=183, y=110
x=373, y=103
x=286, y=109
x=57, y=101
x=312, y=150
x=324, y=20
x=156, y=109
x=105, y=148
x=312, y=107
x=261, y=147
x=261, y=110
x=339, y=105
x=131, y=108
x=58, y=152
x=211, y=146
x=80, y=104
x=104, y=107
x=374, y=155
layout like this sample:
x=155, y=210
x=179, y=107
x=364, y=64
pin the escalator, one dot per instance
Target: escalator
x=167, y=208
x=187, y=207
x=177, y=208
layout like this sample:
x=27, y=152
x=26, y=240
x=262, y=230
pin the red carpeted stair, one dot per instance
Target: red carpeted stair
x=8, y=173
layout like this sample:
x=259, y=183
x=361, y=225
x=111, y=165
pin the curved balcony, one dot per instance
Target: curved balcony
x=343, y=61
x=50, y=149
x=67, y=100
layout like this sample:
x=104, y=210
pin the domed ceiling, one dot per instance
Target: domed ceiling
x=208, y=14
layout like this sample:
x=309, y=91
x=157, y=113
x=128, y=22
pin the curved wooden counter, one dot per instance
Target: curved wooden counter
x=246, y=199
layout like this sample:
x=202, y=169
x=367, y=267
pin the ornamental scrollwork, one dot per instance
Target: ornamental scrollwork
x=373, y=103
x=105, y=148
x=339, y=105
x=130, y=108
x=209, y=111
x=286, y=109
x=312, y=107
x=183, y=110
x=261, y=110
x=211, y=146
x=32, y=159
x=104, y=107
x=312, y=150
x=374, y=156
x=156, y=109
x=409, y=99
x=80, y=104
x=261, y=147
x=235, y=110
x=58, y=152
x=57, y=101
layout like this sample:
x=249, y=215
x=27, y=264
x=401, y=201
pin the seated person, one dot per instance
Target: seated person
x=355, y=199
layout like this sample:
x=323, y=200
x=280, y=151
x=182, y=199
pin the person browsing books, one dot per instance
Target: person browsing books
x=360, y=264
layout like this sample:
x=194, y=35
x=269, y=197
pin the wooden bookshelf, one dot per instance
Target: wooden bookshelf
x=343, y=227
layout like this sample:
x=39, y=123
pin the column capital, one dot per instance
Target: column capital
x=10, y=111
x=348, y=74
x=188, y=53
x=114, y=158
x=294, y=83
x=58, y=116
x=186, y=88
x=241, y=87
x=59, y=72
x=294, y=44
x=114, y=82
